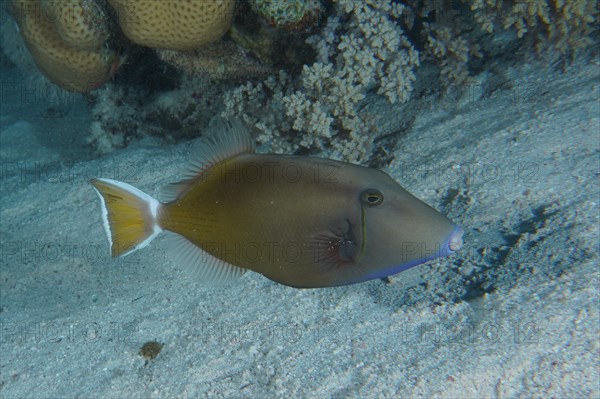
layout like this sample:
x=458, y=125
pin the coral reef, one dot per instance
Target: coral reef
x=77, y=44
x=275, y=44
x=288, y=13
x=452, y=52
x=375, y=48
x=172, y=114
x=174, y=25
x=449, y=40
x=321, y=109
x=222, y=60
x=66, y=39
x=80, y=24
x=314, y=73
x=563, y=25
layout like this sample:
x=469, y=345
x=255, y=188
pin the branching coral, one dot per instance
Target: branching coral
x=261, y=105
x=564, y=25
x=318, y=99
x=368, y=47
x=449, y=49
x=367, y=53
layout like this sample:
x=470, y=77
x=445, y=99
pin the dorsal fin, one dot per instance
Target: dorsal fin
x=223, y=139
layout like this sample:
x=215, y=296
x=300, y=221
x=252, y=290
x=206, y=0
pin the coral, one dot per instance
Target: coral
x=288, y=13
x=50, y=29
x=222, y=60
x=122, y=114
x=261, y=106
x=80, y=23
x=174, y=25
x=368, y=52
x=321, y=94
x=451, y=51
x=274, y=46
x=73, y=42
x=563, y=25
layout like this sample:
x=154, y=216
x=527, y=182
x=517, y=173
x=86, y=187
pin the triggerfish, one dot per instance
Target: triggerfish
x=300, y=221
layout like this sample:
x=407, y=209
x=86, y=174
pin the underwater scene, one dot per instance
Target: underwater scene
x=299, y=199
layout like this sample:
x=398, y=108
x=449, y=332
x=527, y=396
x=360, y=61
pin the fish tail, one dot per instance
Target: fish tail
x=130, y=216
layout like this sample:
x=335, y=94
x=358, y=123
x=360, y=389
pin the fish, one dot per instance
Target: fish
x=301, y=221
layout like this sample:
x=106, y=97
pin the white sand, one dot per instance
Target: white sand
x=514, y=314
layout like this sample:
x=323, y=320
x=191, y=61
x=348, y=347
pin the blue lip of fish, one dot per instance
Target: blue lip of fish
x=452, y=244
x=301, y=221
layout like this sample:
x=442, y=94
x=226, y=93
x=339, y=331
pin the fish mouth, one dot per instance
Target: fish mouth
x=451, y=245
x=454, y=242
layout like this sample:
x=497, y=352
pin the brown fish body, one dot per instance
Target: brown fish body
x=267, y=213
x=301, y=221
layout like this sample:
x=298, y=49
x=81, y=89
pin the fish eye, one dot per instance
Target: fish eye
x=371, y=197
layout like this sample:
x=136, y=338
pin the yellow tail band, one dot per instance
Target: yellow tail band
x=130, y=216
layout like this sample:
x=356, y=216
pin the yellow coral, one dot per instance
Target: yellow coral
x=71, y=67
x=174, y=25
x=79, y=23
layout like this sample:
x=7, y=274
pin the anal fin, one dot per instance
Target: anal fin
x=199, y=264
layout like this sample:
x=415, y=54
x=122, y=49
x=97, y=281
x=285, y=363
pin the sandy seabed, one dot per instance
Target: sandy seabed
x=514, y=314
